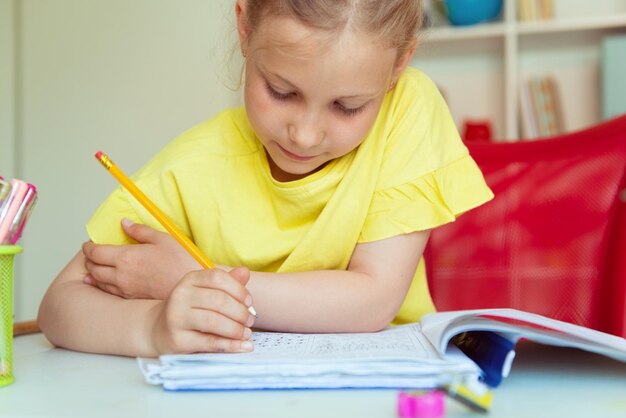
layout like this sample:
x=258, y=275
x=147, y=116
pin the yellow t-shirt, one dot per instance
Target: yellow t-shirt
x=411, y=173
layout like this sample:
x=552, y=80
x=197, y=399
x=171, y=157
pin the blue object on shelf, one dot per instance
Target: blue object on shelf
x=470, y=12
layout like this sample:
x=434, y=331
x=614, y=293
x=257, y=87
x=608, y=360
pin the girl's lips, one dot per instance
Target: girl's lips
x=294, y=156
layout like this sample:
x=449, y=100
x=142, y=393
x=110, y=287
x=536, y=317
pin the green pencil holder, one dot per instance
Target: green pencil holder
x=7, y=252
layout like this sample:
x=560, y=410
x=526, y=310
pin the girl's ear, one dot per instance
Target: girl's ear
x=243, y=29
x=403, y=61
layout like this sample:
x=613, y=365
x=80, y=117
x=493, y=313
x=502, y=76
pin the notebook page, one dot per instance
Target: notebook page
x=394, y=343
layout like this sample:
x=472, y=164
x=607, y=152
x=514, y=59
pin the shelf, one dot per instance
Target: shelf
x=571, y=24
x=496, y=30
x=466, y=33
x=479, y=67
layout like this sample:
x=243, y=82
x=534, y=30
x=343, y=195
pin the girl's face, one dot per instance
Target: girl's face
x=311, y=99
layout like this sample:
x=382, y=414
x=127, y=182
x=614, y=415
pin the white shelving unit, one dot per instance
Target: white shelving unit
x=479, y=67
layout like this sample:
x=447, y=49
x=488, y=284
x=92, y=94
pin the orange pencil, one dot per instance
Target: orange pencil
x=158, y=214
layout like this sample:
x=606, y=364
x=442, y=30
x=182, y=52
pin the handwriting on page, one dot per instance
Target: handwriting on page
x=279, y=342
x=393, y=342
x=353, y=345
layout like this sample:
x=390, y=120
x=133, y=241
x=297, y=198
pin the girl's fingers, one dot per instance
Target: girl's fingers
x=216, y=324
x=101, y=273
x=205, y=313
x=241, y=274
x=222, y=303
x=207, y=343
x=101, y=253
x=143, y=233
x=219, y=280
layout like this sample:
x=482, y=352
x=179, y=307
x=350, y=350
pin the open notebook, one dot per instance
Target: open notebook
x=439, y=350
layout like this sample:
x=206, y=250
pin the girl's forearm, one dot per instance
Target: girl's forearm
x=323, y=301
x=87, y=319
x=364, y=298
x=80, y=317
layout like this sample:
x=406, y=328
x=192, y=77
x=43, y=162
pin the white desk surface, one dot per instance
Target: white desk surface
x=544, y=382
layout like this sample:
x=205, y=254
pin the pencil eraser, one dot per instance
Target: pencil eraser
x=98, y=154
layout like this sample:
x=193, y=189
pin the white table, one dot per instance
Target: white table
x=545, y=382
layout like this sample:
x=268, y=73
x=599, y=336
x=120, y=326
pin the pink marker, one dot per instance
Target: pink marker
x=22, y=215
x=18, y=190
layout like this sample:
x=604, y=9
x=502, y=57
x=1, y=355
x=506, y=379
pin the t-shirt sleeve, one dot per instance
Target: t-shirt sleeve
x=175, y=180
x=104, y=227
x=427, y=176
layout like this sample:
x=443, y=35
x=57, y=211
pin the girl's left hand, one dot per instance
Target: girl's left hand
x=149, y=269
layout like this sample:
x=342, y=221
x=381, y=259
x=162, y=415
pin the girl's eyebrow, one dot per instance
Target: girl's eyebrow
x=293, y=86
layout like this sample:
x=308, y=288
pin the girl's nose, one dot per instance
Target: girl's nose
x=306, y=132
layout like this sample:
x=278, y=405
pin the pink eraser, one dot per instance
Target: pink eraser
x=406, y=405
x=98, y=154
x=430, y=405
x=421, y=405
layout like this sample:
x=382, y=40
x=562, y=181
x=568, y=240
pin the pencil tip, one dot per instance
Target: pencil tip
x=253, y=312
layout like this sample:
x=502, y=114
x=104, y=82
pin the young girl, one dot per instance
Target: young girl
x=325, y=186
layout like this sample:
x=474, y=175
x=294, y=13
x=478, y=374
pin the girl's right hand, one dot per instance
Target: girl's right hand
x=206, y=312
x=149, y=269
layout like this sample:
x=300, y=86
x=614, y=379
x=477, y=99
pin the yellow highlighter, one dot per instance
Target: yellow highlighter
x=471, y=393
x=158, y=214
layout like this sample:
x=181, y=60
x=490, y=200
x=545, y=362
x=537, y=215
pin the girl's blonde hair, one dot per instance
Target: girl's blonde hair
x=394, y=22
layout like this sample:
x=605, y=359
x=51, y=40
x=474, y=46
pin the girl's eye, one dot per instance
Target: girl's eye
x=349, y=111
x=277, y=95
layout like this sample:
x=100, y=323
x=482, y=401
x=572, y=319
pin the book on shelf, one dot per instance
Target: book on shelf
x=552, y=106
x=444, y=347
x=532, y=10
x=540, y=107
x=527, y=114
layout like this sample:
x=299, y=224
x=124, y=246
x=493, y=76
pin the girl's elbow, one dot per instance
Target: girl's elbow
x=48, y=318
x=381, y=319
x=44, y=318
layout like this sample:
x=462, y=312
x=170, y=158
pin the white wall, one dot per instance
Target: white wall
x=123, y=76
x=7, y=92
